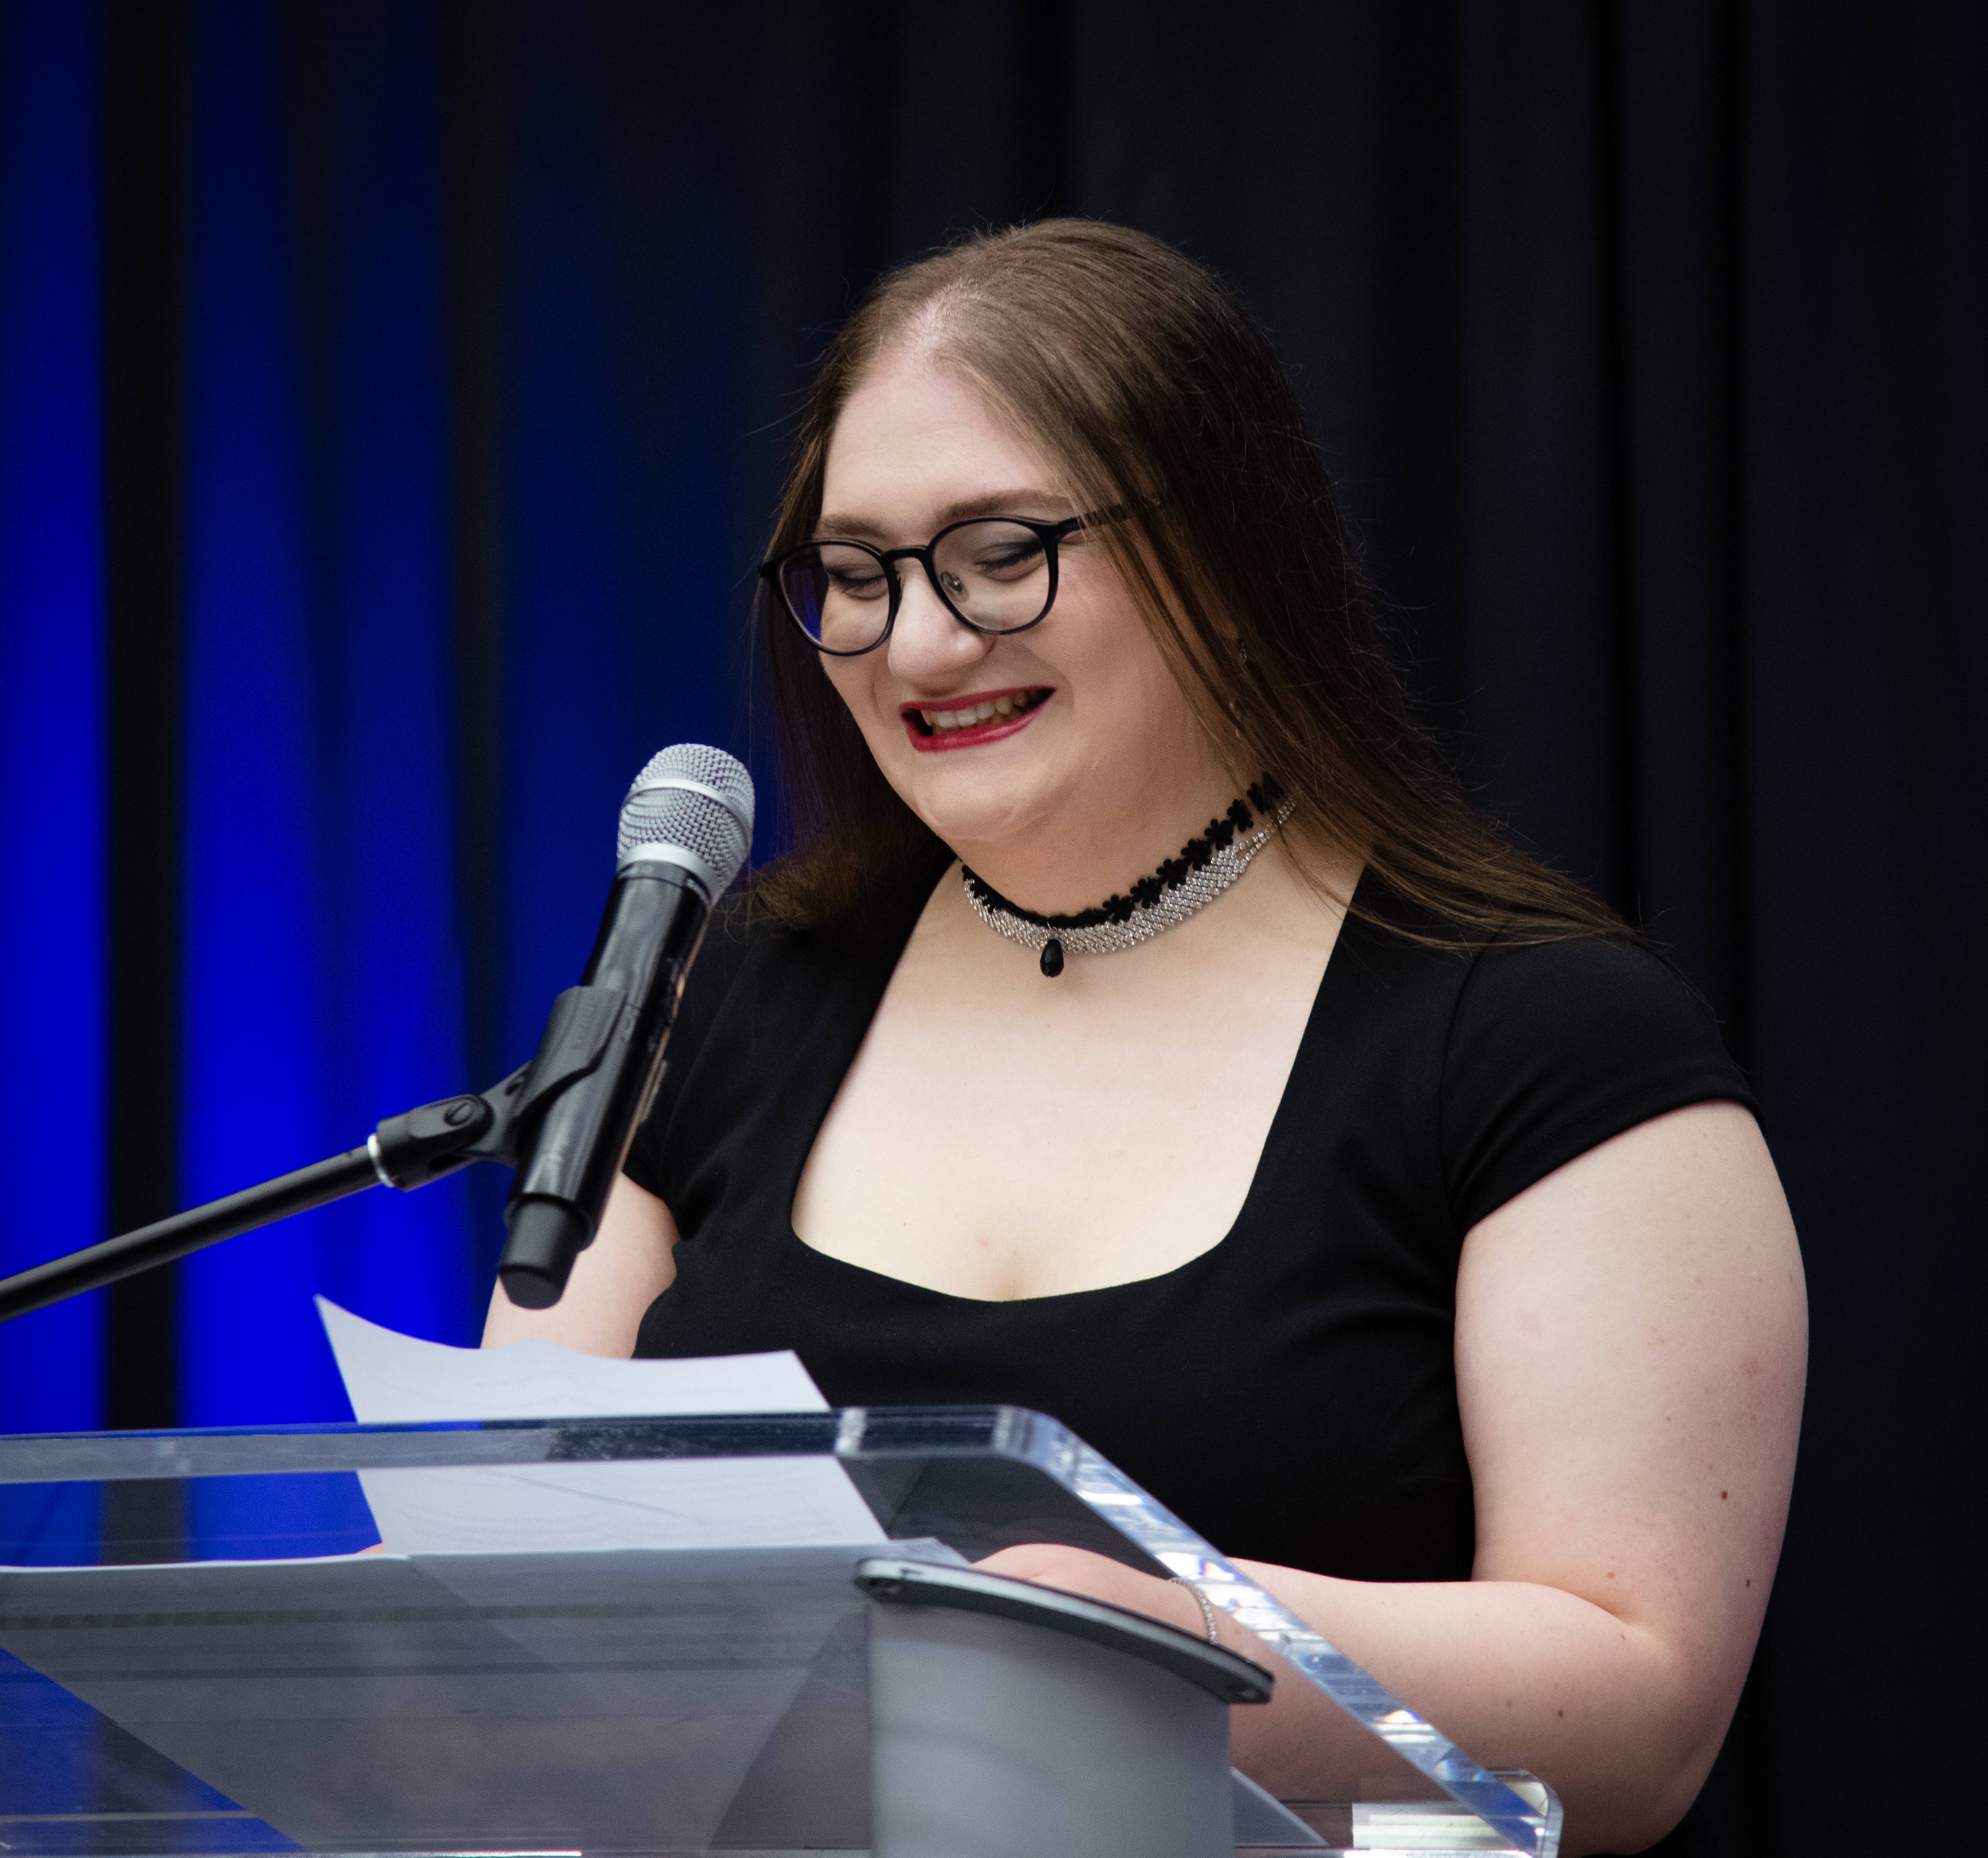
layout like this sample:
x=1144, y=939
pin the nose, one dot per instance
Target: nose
x=928, y=642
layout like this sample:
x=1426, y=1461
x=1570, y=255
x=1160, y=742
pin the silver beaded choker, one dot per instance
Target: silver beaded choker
x=1182, y=887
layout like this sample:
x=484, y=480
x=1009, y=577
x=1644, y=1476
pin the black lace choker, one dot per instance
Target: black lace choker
x=1185, y=885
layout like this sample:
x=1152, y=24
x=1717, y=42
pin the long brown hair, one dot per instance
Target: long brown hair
x=1143, y=381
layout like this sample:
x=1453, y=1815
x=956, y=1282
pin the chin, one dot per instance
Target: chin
x=966, y=807
x=968, y=823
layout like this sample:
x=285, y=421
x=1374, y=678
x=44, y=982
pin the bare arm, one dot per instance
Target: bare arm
x=1630, y=1343
x=630, y=1265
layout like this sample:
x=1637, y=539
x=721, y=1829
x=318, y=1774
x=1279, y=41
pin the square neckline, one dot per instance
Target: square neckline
x=1306, y=1041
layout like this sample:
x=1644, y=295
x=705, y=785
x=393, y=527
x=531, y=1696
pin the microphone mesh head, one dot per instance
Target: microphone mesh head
x=693, y=799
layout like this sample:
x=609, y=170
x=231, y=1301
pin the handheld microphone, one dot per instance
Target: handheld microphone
x=686, y=826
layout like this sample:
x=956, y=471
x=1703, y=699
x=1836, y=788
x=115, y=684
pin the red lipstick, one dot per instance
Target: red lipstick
x=929, y=741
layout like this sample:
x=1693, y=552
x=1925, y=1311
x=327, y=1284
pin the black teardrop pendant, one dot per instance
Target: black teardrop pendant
x=1052, y=958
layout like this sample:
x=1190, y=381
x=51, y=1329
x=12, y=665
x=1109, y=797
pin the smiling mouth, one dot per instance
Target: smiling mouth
x=1009, y=707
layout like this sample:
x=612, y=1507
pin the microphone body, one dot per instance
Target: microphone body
x=613, y=1024
x=684, y=830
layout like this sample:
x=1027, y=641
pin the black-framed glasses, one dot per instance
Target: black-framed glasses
x=996, y=574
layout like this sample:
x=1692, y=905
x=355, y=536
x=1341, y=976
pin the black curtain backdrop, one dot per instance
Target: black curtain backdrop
x=1646, y=339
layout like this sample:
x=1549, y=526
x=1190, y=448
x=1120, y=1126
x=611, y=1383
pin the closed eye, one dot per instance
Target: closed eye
x=1008, y=561
x=858, y=583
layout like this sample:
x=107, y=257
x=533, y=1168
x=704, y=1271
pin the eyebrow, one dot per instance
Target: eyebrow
x=997, y=503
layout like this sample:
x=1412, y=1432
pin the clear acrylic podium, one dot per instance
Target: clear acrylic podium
x=194, y=1659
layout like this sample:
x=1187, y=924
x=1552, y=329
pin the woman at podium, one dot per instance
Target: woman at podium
x=1146, y=1029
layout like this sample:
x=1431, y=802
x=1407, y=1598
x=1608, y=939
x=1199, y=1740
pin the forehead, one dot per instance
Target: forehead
x=913, y=446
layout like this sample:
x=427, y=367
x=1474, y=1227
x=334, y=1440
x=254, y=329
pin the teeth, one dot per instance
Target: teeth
x=1012, y=704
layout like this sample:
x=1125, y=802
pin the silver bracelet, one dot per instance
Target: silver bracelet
x=1207, y=1609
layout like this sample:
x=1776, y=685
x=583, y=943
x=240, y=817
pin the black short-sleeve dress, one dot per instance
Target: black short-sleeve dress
x=1290, y=1393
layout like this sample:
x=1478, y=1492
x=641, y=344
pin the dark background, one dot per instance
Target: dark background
x=392, y=401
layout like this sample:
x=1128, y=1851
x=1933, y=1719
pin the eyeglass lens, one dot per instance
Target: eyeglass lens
x=992, y=572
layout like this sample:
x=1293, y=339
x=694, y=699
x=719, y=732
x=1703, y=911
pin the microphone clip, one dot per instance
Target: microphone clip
x=422, y=1146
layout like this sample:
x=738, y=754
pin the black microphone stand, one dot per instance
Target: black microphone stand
x=405, y=1151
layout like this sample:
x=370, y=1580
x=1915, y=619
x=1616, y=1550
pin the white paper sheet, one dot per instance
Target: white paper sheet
x=700, y=1503
x=391, y=1379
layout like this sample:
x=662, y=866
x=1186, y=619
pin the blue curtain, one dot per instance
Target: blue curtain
x=622, y=572
x=342, y=958
x=322, y=980
x=52, y=796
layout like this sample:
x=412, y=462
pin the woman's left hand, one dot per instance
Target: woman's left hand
x=1303, y=1747
x=1097, y=1577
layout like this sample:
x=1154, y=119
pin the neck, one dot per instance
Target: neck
x=1090, y=895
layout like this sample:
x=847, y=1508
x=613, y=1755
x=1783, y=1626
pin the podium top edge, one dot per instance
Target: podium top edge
x=855, y=1432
